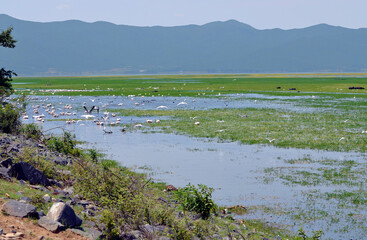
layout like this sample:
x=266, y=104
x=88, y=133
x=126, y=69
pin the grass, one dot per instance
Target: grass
x=195, y=85
x=321, y=130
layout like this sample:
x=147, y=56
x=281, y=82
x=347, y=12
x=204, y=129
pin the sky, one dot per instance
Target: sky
x=261, y=14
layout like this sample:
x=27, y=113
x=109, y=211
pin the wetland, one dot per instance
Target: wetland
x=293, y=158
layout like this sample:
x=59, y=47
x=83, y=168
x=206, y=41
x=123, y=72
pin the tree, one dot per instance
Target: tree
x=6, y=40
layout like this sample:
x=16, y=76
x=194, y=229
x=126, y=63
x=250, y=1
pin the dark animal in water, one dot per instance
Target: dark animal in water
x=278, y=87
x=292, y=89
x=107, y=131
x=356, y=87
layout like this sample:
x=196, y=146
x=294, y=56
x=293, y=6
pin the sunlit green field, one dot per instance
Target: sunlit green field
x=324, y=131
x=194, y=85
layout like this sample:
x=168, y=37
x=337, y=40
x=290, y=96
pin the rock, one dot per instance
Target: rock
x=47, y=198
x=64, y=214
x=14, y=236
x=41, y=214
x=50, y=225
x=60, y=161
x=26, y=199
x=153, y=229
x=7, y=163
x=89, y=233
x=83, y=203
x=4, y=174
x=93, y=233
x=19, y=209
x=69, y=191
x=25, y=171
x=132, y=235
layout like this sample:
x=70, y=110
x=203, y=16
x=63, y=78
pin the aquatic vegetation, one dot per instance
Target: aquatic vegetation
x=193, y=85
x=322, y=130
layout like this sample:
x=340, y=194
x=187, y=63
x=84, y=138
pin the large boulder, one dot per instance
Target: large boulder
x=50, y=225
x=64, y=214
x=20, y=209
x=25, y=171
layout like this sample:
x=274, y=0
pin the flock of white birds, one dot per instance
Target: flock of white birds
x=41, y=110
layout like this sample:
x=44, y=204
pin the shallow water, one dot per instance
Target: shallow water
x=235, y=171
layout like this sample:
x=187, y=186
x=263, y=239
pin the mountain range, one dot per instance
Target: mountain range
x=101, y=48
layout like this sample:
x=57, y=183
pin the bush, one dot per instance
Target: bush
x=65, y=144
x=197, y=199
x=32, y=131
x=10, y=121
x=118, y=191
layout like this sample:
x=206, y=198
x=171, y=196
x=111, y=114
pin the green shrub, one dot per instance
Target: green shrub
x=32, y=131
x=303, y=236
x=197, y=199
x=115, y=189
x=10, y=121
x=65, y=144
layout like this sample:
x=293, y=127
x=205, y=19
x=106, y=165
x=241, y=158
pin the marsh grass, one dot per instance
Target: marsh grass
x=321, y=130
x=192, y=85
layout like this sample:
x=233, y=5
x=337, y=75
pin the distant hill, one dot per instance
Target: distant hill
x=101, y=48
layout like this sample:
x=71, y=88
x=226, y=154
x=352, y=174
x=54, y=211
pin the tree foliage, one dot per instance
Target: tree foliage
x=6, y=40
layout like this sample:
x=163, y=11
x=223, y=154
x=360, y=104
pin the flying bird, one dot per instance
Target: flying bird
x=88, y=111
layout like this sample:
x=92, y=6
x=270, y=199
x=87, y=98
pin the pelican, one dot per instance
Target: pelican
x=157, y=121
x=162, y=107
x=149, y=121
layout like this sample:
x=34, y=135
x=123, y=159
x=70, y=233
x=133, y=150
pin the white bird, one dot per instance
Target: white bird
x=138, y=125
x=346, y=120
x=157, y=121
x=137, y=104
x=162, y=107
x=220, y=121
x=149, y=121
x=342, y=138
x=197, y=123
x=270, y=140
x=181, y=103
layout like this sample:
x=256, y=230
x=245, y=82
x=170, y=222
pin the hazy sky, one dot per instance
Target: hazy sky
x=261, y=14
